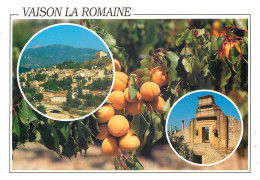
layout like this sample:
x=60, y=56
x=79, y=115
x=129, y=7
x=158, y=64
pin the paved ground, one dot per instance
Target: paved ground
x=37, y=157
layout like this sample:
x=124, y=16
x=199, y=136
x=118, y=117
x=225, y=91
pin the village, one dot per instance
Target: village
x=63, y=93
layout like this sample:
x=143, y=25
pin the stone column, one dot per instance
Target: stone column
x=223, y=132
x=175, y=130
x=191, y=130
x=182, y=122
x=171, y=129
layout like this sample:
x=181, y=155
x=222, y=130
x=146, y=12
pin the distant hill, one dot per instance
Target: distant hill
x=24, y=69
x=98, y=62
x=43, y=56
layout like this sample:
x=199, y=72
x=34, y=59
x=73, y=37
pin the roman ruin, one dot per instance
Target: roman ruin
x=210, y=134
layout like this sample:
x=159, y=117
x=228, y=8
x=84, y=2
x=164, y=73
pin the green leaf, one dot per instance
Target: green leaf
x=144, y=108
x=214, y=45
x=187, y=65
x=189, y=37
x=136, y=165
x=26, y=113
x=200, y=32
x=132, y=79
x=219, y=41
x=168, y=105
x=93, y=125
x=144, y=63
x=83, y=131
x=139, y=125
x=225, y=74
x=157, y=127
x=181, y=37
x=69, y=149
x=133, y=91
x=45, y=135
x=164, y=64
x=110, y=41
x=220, y=72
x=120, y=54
x=16, y=127
x=197, y=67
x=173, y=61
x=56, y=139
x=242, y=23
x=62, y=127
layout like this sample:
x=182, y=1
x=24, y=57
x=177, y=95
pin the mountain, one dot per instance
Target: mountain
x=24, y=69
x=43, y=56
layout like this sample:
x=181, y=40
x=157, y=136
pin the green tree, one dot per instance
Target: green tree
x=40, y=77
x=76, y=103
x=50, y=85
x=179, y=144
x=55, y=76
x=79, y=90
x=42, y=109
x=38, y=97
x=69, y=98
x=22, y=79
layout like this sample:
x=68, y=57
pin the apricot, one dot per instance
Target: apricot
x=105, y=113
x=129, y=142
x=134, y=108
x=109, y=146
x=117, y=65
x=120, y=82
x=158, y=104
x=120, y=112
x=118, y=125
x=104, y=133
x=216, y=24
x=158, y=77
x=118, y=100
x=215, y=33
x=150, y=91
x=128, y=98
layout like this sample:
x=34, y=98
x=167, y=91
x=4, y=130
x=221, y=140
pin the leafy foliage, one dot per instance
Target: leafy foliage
x=118, y=52
x=65, y=138
x=182, y=147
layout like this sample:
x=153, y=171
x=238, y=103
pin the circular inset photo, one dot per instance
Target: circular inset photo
x=204, y=127
x=65, y=72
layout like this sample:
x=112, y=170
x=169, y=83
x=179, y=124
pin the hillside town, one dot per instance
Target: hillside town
x=68, y=93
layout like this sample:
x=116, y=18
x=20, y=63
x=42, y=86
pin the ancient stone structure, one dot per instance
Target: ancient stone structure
x=100, y=54
x=211, y=134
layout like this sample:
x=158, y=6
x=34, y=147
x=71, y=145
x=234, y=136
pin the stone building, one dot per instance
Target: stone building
x=59, y=98
x=211, y=134
x=100, y=54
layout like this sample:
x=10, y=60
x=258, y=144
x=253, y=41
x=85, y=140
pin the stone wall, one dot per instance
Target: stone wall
x=234, y=132
x=185, y=132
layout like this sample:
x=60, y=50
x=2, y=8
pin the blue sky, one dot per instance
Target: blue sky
x=186, y=108
x=68, y=35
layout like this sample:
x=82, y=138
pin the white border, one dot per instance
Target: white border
x=62, y=24
x=204, y=90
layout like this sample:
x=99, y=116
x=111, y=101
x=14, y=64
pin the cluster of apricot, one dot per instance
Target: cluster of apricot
x=115, y=130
